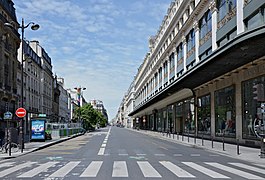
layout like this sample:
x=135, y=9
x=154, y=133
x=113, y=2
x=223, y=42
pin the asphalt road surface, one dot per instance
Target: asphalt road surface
x=119, y=153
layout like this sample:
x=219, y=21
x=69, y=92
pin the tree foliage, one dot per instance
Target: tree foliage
x=91, y=117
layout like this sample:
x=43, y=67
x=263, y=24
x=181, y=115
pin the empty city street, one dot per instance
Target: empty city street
x=116, y=152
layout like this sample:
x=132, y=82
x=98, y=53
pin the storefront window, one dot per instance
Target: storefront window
x=225, y=112
x=253, y=103
x=204, y=114
x=164, y=120
x=170, y=118
x=188, y=115
x=159, y=120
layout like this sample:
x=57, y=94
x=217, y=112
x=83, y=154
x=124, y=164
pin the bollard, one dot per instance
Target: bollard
x=177, y=136
x=262, y=148
x=223, y=143
x=212, y=141
x=188, y=137
x=237, y=146
x=194, y=139
x=173, y=136
x=202, y=140
x=182, y=138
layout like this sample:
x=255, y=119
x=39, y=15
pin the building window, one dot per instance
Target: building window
x=205, y=24
x=226, y=10
x=225, y=112
x=253, y=101
x=180, y=52
x=204, y=114
x=191, y=40
x=255, y=21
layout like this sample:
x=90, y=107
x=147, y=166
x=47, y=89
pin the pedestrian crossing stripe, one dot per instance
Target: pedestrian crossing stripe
x=120, y=169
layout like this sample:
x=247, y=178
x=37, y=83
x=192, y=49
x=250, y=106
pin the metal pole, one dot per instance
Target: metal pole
x=223, y=143
x=212, y=141
x=237, y=147
x=9, y=139
x=22, y=87
x=202, y=140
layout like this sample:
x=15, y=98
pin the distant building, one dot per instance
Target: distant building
x=98, y=105
x=46, y=78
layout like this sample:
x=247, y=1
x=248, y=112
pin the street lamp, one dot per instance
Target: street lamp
x=79, y=98
x=23, y=27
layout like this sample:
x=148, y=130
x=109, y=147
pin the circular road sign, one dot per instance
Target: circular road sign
x=21, y=112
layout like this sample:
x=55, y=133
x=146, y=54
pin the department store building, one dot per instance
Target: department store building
x=205, y=72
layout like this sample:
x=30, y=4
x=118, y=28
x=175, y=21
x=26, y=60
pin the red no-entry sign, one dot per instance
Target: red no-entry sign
x=21, y=112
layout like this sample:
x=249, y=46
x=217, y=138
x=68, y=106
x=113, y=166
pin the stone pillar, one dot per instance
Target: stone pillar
x=239, y=14
x=184, y=42
x=197, y=40
x=176, y=61
x=238, y=106
x=214, y=23
x=168, y=69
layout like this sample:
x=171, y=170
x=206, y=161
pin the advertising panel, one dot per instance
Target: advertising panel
x=37, y=129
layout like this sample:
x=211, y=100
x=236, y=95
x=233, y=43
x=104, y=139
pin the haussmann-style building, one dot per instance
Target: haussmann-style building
x=204, y=74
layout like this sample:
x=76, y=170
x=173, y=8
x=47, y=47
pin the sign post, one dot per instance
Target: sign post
x=21, y=113
x=8, y=116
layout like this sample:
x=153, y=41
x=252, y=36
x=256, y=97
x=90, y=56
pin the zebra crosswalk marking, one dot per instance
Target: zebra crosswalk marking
x=37, y=170
x=206, y=171
x=259, y=170
x=147, y=169
x=92, y=169
x=6, y=164
x=176, y=170
x=120, y=169
x=65, y=169
x=15, y=168
x=234, y=171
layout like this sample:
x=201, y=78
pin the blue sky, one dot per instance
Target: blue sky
x=97, y=44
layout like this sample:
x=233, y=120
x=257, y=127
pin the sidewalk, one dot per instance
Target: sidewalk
x=245, y=153
x=34, y=146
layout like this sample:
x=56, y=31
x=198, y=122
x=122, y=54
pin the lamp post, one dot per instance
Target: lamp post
x=79, y=98
x=23, y=27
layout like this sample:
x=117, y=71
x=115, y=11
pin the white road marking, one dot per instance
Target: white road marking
x=7, y=164
x=65, y=169
x=147, y=169
x=206, y=171
x=234, y=171
x=259, y=170
x=120, y=169
x=176, y=170
x=15, y=168
x=92, y=170
x=101, y=151
x=177, y=155
x=103, y=145
x=37, y=170
x=159, y=154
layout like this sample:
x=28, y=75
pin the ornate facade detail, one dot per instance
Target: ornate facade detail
x=212, y=6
